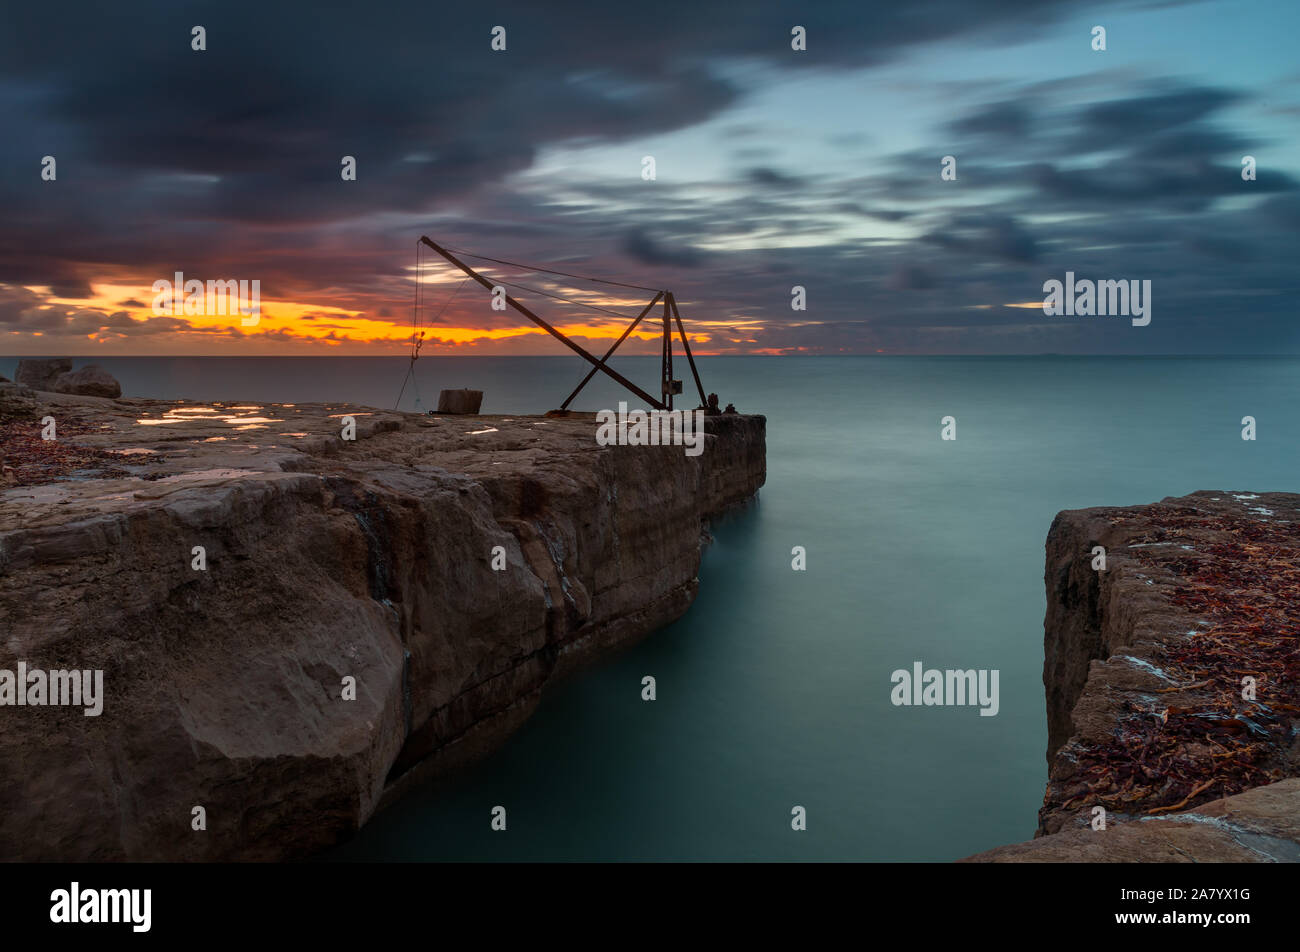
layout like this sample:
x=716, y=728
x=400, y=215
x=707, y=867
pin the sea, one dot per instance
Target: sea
x=774, y=691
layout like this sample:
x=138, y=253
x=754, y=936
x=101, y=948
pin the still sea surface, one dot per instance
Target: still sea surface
x=774, y=689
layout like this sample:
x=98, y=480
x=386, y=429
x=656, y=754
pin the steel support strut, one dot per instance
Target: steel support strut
x=686, y=345
x=666, y=367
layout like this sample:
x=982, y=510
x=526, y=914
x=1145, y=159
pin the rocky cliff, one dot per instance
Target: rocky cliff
x=231, y=568
x=1172, y=678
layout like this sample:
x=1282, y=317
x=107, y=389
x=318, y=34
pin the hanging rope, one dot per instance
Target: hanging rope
x=416, y=341
x=417, y=335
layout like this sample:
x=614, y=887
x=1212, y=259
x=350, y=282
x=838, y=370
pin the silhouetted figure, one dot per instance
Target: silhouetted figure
x=731, y=408
x=712, y=408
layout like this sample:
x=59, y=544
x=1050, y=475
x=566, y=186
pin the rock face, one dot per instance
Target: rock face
x=322, y=560
x=460, y=401
x=1259, y=826
x=17, y=402
x=91, y=381
x=40, y=374
x=56, y=375
x=1171, y=677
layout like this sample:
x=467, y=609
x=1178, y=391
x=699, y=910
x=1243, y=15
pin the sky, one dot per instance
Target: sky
x=774, y=168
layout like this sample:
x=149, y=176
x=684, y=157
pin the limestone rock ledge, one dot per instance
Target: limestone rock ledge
x=1259, y=826
x=325, y=559
x=1150, y=715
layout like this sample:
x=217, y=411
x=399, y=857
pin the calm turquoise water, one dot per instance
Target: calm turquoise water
x=774, y=689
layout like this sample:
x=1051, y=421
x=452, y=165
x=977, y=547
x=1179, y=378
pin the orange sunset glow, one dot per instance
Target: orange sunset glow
x=111, y=317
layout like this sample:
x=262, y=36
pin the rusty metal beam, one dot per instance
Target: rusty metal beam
x=672, y=301
x=666, y=368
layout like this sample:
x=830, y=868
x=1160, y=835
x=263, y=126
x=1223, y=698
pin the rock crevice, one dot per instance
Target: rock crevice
x=1172, y=679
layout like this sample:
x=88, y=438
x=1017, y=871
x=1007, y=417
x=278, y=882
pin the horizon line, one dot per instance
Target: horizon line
x=623, y=356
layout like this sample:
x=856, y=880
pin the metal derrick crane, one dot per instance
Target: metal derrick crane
x=667, y=387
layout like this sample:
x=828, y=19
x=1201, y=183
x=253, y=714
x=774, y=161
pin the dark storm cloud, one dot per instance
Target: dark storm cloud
x=986, y=235
x=880, y=214
x=1189, y=181
x=410, y=88
x=23, y=310
x=1142, y=208
x=1283, y=211
x=227, y=161
x=1009, y=119
x=1145, y=115
x=772, y=178
x=911, y=277
x=640, y=246
x=282, y=92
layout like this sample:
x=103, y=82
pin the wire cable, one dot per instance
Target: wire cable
x=416, y=341
x=592, y=307
x=566, y=274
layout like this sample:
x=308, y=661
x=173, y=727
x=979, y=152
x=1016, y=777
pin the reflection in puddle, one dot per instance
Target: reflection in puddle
x=208, y=415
